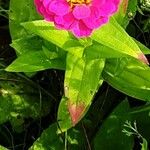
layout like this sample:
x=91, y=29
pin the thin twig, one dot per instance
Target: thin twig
x=89, y=146
x=140, y=31
x=12, y=138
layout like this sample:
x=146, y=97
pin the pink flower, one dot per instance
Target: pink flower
x=78, y=16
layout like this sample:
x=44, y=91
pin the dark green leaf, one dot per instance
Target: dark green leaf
x=129, y=76
x=49, y=140
x=110, y=135
x=21, y=12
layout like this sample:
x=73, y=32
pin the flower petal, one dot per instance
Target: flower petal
x=64, y=21
x=59, y=7
x=108, y=9
x=81, y=11
x=79, y=29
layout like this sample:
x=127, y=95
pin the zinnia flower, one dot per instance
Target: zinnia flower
x=80, y=17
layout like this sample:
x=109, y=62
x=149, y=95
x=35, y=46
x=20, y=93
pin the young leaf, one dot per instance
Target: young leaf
x=82, y=78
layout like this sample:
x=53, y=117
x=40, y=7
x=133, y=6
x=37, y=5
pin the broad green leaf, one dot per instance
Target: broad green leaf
x=36, y=61
x=115, y=37
x=110, y=135
x=98, y=51
x=61, y=38
x=20, y=12
x=49, y=140
x=47, y=31
x=129, y=76
x=82, y=78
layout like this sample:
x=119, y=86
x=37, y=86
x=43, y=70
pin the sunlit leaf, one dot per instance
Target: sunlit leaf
x=82, y=78
x=36, y=61
x=115, y=37
x=3, y=148
x=61, y=38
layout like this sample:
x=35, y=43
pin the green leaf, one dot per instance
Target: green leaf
x=143, y=48
x=82, y=78
x=98, y=51
x=110, y=135
x=115, y=37
x=27, y=44
x=49, y=140
x=3, y=148
x=36, y=61
x=61, y=38
x=20, y=12
x=129, y=76
x=141, y=109
x=47, y=31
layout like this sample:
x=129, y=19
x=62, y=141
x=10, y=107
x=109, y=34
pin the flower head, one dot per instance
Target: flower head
x=80, y=17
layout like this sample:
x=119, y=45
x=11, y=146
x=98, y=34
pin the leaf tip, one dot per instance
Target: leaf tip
x=142, y=58
x=76, y=111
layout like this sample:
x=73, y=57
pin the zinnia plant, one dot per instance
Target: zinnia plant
x=88, y=42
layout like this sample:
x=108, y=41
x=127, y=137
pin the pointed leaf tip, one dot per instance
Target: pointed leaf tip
x=76, y=111
x=142, y=58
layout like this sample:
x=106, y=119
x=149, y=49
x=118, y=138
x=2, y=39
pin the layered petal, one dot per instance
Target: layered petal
x=81, y=18
x=59, y=8
x=81, y=12
x=65, y=21
x=79, y=29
